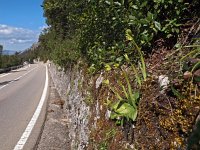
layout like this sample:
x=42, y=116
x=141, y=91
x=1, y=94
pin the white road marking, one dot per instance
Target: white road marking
x=17, y=78
x=4, y=75
x=20, y=144
x=23, y=68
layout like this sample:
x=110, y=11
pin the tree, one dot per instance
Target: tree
x=1, y=50
x=98, y=28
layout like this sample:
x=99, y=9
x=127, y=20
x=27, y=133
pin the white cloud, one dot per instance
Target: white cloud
x=14, y=38
x=14, y=41
x=5, y=31
x=43, y=27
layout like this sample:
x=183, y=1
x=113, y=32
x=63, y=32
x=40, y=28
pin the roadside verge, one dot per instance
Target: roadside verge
x=55, y=131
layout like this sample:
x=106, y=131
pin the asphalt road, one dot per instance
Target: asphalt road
x=20, y=94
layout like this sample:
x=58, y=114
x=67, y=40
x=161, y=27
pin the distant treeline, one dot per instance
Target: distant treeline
x=7, y=60
x=8, y=52
x=10, y=60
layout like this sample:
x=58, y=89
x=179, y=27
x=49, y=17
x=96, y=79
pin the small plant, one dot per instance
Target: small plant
x=124, y=108
x=109, y=135
x=142, y=64
x=193, y=55
x=190, y=63
x=176, y=93
x=138, y=79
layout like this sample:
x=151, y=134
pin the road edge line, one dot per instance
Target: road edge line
x=20, y=144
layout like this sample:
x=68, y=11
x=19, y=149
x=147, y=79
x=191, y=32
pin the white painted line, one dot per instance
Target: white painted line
x=20, y=144
x=23, y=68
x=17, y=78
x=4, y=75
x=12, y=70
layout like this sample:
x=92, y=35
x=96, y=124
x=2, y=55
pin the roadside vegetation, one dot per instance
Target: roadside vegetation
x=96, y=30
x=7, y=61
x=134, y=43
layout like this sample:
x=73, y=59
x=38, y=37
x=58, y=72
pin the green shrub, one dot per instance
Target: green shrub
x=102, y=24
x=105, y=22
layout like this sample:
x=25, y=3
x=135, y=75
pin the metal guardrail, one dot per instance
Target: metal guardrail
x=4, y=70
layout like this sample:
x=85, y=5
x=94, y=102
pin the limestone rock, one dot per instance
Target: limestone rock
x=163, y=81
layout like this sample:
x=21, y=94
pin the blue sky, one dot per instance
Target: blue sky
x=21, y=22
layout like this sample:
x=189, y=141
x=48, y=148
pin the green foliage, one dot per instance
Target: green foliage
x=10, y=60
x=60, y=51
x=138, y=79
x=65, y=52
x=108, y=135
x=177, y=93
x=1, y=48
x=100, y=27
x=102, y=32
x=61, y=16
x=124, y=108
x=102, y=38
x=141, y=62
x=194, y=53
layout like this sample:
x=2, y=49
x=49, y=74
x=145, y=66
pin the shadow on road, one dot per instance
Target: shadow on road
x=6, y=82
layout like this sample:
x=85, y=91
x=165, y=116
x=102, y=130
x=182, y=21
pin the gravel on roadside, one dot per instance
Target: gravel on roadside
x=55, y=132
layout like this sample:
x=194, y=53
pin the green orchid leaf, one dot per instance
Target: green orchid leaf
x=127, y=110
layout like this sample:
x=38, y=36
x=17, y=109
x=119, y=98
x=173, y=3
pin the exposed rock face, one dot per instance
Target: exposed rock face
x=67, y=83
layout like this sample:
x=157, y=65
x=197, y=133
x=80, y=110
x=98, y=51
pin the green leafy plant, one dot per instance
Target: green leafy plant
x=142, y=64
x=138, y=79
x=193, y=54
x=108, y=135
x=100, y=26
x=124, y=108
x=176, y=93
